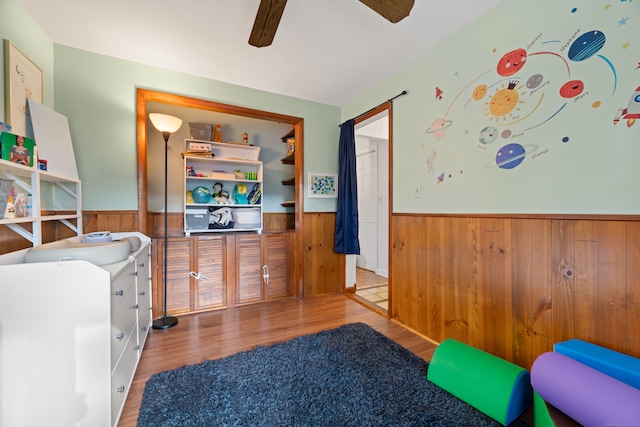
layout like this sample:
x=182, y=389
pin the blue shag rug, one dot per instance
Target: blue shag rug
x=349, y=376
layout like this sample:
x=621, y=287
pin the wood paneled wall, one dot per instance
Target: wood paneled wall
x=51, y=231
x=510, y=286
x=324, y=271
x=516, y=286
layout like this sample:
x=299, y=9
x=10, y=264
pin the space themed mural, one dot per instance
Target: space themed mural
x=539, y=115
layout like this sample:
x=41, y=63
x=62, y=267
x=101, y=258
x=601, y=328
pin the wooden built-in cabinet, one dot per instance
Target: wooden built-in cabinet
x=223, y=270
x=262, y=267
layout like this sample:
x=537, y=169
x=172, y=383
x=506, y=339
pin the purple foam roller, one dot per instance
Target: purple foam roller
x=583, y=393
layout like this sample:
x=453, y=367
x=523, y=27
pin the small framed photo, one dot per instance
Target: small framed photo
x=17, y=148
x=323, y=185
x=23, y=79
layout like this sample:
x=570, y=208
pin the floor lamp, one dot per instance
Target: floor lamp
x=166, y=125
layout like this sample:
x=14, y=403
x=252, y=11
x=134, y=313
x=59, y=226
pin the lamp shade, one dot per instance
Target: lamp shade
x=164, y=122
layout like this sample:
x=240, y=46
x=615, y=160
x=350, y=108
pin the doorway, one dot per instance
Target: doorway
x=368, y=273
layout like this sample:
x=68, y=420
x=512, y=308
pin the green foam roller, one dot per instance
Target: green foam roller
x=541, y=416
x=494, y=386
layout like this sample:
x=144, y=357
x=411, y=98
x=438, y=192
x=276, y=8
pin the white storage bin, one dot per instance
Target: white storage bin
x=246, y=218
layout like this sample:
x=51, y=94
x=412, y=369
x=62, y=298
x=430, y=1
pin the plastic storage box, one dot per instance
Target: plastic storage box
x=197, y=219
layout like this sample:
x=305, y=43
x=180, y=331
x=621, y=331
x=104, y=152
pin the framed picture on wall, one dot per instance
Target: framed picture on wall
x=323, y=185
x=23, y=79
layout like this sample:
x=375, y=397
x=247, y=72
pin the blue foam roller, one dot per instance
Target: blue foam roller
x=620, y=366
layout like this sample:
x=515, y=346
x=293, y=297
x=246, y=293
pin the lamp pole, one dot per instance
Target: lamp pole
x=166, y=125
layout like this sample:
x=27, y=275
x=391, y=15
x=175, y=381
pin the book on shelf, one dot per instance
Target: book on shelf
x=197, y=153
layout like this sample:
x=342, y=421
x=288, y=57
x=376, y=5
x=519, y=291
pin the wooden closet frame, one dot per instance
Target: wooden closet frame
x=144, y=95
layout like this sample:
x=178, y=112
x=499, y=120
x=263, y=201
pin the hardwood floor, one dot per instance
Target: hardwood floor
x=217, y=334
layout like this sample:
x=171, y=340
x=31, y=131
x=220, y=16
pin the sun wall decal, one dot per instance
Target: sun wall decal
x=504, y=102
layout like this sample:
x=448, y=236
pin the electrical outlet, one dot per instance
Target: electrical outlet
x=417, y=191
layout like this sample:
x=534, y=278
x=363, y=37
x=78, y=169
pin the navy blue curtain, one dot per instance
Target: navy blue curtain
x=347, y=214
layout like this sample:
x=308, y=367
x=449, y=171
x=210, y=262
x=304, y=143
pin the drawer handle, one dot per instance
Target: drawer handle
x=119, y=293
x=120, y=336
x=120, y=389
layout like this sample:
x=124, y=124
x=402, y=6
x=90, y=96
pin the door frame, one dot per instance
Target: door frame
x=387, y=106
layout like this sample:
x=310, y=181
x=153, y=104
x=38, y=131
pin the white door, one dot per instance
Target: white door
x=367, y=173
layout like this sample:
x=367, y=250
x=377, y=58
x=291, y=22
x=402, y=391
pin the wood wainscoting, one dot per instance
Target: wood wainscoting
x=114, y=221
x=512, y=286
x=324, y=270
x=515, y=286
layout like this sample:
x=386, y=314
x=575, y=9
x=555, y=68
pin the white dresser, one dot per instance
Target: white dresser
x=71, y=336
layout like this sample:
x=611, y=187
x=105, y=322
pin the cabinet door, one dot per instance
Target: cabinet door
x=276, y=258
x=208, y=259
x=178, y=280
x=248, y=268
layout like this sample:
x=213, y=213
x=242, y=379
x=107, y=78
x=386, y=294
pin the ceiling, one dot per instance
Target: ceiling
x=326, y=51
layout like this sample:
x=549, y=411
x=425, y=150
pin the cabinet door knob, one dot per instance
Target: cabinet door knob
x=142, y=294
x=141, y=264
x=120, y=389
x=120, y=336
x=119, y=293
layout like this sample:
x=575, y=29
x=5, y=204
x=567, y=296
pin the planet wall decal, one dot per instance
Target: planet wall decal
x=586, y=45
x=511, y=155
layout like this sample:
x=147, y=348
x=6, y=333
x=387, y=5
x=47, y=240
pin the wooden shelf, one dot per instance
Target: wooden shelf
x=290, y=134
x=289, y=160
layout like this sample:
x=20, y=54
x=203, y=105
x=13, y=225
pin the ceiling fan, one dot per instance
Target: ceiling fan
x=270, y=12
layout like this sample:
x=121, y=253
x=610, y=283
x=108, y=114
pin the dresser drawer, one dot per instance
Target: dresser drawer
x=122, y=376
x=123, y=326
x=123, y=286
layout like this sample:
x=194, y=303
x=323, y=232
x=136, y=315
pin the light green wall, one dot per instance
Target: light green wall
x=98, y=95
x=578, y=159
x=17, y=26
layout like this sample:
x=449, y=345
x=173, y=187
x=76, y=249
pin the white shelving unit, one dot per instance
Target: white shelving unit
x=54, y=191
x=228, y=159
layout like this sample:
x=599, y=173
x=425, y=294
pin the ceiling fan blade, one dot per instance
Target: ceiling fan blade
x=266, y=23
x=391, y=10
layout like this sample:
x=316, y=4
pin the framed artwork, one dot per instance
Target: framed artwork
x=23, y=79
x=323, y=185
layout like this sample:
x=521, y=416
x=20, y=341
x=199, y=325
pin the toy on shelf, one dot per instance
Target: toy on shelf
x=217, y=133
x=220, y=196
x=201, y=194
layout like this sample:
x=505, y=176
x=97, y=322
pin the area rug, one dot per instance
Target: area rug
x=349, y=376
